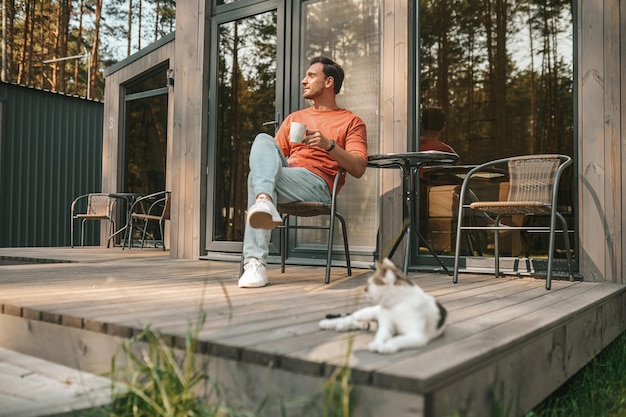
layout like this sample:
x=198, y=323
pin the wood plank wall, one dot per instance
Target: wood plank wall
x=622, y=129
x=189, y=141
x=113, y=115
x=393, y=117
x=601, y=180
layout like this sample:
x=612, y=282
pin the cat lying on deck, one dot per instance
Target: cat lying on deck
x=407, y=317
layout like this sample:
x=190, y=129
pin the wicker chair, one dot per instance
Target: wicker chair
x=99, y=207
x=533, y=189
x=151, y=207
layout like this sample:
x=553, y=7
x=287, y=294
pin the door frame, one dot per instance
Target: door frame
x=284, y=62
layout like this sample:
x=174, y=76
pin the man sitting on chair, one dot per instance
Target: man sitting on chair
x=284, y=172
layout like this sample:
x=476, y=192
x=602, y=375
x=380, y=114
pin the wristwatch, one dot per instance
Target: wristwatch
x=332, y=146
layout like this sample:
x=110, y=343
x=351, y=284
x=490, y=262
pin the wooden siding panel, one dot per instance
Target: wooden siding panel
x=612, y=155
x=189, y=130
x=393, y=117
x=592, y=223
x=622, y=123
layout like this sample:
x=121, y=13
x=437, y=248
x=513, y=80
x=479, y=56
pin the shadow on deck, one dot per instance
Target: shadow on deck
x=508, y=340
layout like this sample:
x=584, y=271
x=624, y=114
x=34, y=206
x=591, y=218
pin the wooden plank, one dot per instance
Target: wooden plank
x=533, y=368
x=495, y=325
x=592, y=149
x=613, y=185
x=490, y=334
x=187, y=162
x=393, y=118
x=34, y=387
x=333, y=352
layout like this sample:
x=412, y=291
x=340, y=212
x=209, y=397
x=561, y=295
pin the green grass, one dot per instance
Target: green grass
x=158, y=381
x=597, y=390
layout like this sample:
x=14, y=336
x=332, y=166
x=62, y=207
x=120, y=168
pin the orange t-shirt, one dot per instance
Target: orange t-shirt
x=344, y=127
x=435, y=145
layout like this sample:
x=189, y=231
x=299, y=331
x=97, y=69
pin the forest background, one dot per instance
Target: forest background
x=63, y=45
x=501, y=69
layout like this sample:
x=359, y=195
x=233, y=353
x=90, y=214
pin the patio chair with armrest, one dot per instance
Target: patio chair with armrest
x=152, y=207
x=533, y=190
x=313, y=209
x=99, y=207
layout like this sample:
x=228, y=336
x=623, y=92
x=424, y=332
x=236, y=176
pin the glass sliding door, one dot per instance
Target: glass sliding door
x=143, y=155
x=245, y=98
x=352, y=38
x=261, y=49
x=503, y=74
x=145, y=138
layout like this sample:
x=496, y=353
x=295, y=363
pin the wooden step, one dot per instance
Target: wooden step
x=33, y=387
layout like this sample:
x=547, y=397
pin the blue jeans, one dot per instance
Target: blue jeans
x=270, y=174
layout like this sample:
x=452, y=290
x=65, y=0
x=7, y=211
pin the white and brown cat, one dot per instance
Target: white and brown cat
x=407, y=317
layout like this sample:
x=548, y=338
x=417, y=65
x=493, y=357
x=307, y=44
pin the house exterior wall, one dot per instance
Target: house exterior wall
x=189, y=130
x=394, y=120
x=600, y=81
x=113, y=128
x=599, y=94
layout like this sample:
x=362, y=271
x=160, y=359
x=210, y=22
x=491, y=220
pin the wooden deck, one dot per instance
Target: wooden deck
x=508, y=340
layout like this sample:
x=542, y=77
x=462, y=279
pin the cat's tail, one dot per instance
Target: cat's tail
x=443, y=316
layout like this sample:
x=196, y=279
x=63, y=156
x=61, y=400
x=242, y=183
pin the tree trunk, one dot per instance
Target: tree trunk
x=500, y=68
x=533, y=92
x=443, y=55
x=5, y=34
x=60, y=47
x=492, y=151
x=22, y=76
x=139, y=25
x=93, y=62
x=157, y=7
x=79, y=46
x=130, y=25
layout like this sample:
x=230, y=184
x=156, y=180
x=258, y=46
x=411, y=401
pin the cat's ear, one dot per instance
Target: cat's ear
x=388, y=262
x=389, y=265
x=393, y=275
x=389, y=275
x=386, y=273
x=379, y=277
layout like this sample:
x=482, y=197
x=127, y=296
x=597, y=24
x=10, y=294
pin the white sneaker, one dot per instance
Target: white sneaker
x=263, y=214
x=254, y=275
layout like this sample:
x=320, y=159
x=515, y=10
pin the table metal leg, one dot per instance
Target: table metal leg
x=432, y=252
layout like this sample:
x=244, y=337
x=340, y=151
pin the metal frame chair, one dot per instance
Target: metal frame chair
x=533, y=190
x=158, y=210
x=313, y=209
x=99, y=207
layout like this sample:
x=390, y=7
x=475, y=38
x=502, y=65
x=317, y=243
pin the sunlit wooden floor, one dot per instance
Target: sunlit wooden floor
x=508, y=340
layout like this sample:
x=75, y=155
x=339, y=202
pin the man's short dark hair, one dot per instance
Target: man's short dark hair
x=331, y=69
x=433, y=118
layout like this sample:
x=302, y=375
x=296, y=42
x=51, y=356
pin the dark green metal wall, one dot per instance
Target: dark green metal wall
x=50, y=153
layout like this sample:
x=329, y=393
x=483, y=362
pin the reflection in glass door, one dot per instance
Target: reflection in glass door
x=505, y=92
x=145, y=136
x=246, y=90
x=353, y=40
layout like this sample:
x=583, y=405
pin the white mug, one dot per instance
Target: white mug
x=296, y=132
